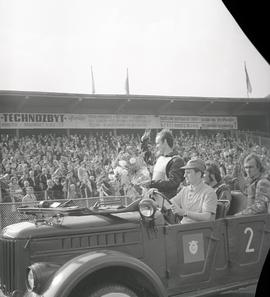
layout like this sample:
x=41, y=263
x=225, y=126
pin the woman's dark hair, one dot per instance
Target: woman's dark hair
x=213, y=168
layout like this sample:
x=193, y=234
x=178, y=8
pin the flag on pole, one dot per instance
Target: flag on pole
x=127, y=84
x=93, y=81
x=249, y=87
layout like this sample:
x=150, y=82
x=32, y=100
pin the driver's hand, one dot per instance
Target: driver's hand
x=177, y=210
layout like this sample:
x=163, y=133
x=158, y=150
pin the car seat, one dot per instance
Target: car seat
x=238, y=202
x=222, y=207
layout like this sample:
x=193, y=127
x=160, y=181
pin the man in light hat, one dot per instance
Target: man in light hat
x=197, y=201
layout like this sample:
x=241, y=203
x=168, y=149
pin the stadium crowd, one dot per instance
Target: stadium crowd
x=38, y=167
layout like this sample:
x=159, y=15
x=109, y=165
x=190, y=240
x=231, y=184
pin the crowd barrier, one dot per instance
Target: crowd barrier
x=10, y=215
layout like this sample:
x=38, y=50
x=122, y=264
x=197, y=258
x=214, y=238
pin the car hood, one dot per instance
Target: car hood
x=74, y=225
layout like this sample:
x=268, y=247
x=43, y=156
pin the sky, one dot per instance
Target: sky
x=171, y=48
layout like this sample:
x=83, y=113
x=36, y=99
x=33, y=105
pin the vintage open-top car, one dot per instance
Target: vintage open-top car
x=68, y=251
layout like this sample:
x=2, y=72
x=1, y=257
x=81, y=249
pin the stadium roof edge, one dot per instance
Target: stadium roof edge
x=129, y=96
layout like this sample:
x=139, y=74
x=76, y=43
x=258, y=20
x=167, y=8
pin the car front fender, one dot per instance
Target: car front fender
x=77, y=269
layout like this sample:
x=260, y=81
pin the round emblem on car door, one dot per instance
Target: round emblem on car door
x=193, y=247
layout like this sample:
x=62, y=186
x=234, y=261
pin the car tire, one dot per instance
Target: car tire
x=112, y=290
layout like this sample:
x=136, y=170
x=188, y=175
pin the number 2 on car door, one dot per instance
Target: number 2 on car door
x=250, y=231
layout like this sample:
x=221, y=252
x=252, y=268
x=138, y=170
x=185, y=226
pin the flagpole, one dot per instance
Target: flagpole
x=248, y=84
x=93, y=81
x=246, y=78
x=127, y=84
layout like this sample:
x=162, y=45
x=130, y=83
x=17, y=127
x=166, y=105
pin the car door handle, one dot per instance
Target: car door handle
x=214, y=238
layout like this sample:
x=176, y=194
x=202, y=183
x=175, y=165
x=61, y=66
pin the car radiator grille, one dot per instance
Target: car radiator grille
x=7, y=265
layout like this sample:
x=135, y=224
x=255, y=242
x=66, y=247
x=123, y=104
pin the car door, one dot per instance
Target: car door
x=191, y=250
x=249, y=242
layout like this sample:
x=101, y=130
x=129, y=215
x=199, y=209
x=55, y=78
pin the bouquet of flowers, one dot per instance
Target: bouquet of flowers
x=131, y=173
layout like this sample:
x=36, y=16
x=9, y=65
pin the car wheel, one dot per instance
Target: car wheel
x=112, y=290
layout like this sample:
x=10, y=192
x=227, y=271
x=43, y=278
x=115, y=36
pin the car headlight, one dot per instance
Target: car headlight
x=147, y=208
x=38, y=274
x=31, y=279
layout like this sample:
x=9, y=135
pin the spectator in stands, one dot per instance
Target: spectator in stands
x=72, y=193
x=258, y=199
x=42, y=178
x=197, y=201
x=167, y=173
x=212, y=177
x=21, y=154
x=82, y=171
x=4, y=189
x=60, y=170
x=15, y=190
x=25, y=186
x=58, y=188
x=24, y=177
x=34, y=182
x=71, y=179
x=234, y=173
x=94, y=186
x=104, y=185
x=50, y=192
x=29, y=199
x=37, y=170
x=86, y=187
x=229, y=162
x=7, y=168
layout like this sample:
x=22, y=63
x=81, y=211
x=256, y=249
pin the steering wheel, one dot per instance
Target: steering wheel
x=164, y=204
x=161, y=200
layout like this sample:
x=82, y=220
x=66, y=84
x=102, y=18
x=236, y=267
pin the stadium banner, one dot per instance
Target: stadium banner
x=76, y=121
x=112, y=121
x=199, y=122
